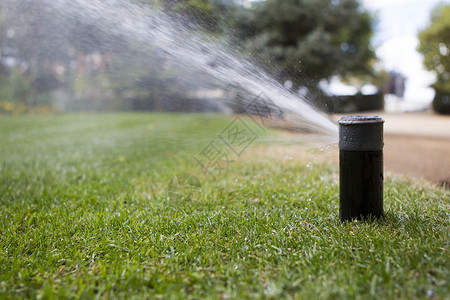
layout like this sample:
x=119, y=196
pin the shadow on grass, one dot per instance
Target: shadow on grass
x=403, y=220
x=412, y=220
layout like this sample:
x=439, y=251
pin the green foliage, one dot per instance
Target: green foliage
x=3, y=27
x=211, y=15
x=88, y=66
x=435, y=46
x=312, y=39
x=300, y=40
x=88, y=210
x=441, y=102
x=34, y=42
x=15, y=86
x=18, y=96
x=15, y=91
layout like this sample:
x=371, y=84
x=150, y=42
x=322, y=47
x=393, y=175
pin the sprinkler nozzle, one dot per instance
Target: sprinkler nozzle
x=361, y=167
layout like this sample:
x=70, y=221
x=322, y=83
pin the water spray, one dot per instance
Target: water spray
x=361, y=167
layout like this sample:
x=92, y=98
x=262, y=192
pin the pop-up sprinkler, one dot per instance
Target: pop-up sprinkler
x=361, y=167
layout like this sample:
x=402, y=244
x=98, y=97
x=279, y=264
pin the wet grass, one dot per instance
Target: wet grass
x=116, y=206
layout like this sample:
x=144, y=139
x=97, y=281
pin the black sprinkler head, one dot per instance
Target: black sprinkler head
x=361, y=167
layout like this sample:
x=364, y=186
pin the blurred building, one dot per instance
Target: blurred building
x=396, y=84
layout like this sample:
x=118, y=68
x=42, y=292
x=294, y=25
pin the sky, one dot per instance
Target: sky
x=395, y=41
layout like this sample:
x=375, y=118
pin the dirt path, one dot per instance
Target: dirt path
x=422, y=157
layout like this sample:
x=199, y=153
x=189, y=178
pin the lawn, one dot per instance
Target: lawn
x=119, y=206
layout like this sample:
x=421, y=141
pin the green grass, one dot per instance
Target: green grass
x=96, y=206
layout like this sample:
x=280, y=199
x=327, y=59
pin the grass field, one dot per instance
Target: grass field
x=117, y=206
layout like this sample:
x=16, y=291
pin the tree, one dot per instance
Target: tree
x=211, y=15
x=3, y=35
x=308, y=39
x=435, y=46
x=434, y=43
x=37, y=40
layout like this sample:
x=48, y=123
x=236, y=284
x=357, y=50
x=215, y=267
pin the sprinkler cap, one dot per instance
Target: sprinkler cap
x=361, y=133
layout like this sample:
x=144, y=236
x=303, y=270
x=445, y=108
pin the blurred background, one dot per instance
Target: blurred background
x=344, y=55
x=389, y=57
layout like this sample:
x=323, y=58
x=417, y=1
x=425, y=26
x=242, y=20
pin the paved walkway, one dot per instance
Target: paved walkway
x=423, y=124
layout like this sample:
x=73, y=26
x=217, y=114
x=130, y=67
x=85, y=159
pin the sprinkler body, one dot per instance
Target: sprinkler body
x=361, y=167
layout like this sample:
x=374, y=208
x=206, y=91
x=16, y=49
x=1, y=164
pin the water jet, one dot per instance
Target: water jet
x=361, y=167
